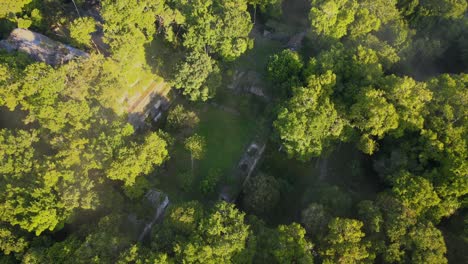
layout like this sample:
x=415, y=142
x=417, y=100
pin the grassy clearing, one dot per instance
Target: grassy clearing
x=256, y=59
x=226, y=136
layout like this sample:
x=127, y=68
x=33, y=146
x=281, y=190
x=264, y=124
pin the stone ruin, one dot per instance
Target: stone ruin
x=150, y=113
x=159, y=201
x=40, y=47
x=295, y=43
x=247, y=81
x=243, y=171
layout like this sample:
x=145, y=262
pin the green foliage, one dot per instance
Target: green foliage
x=371, y=215
x=415, y=193
x=62, y=141
x=53, y=169
x=126, y=18
x=186, y=178
x=332, y=17
x=133, y=161
x=60, y=252
x=208, y=184
x=180, y=118
x=219, y=236
x=353, y=18
x=309, y=122
x=292, y=246
x=23, y=22
x=284, y=70
x=140, y=255
x=81, y=30
x=333, y=198
x=315, y=219
x=105, y=243
x=198, y=76
x=216, y=26
x=344, y=244
x=409, y=98
x=427, y=245
x=443, y=9
x=9, y=7
x=373, y=115
x=196, y=145
x=270, y=8
x=10, y=242
x=261, y=193
x=138, y=189
x=184, y=218
x=128, y=26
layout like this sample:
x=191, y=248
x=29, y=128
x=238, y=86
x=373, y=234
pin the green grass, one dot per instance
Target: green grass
x=226, y=137
x=256, y=59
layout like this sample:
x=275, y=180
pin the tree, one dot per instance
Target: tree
x=427, y=244
x=105, y=243
x=219, y=236
x=184, y=218
x=344, y=244
x=332, y=17
x=140, y=255
x=216, y=26
x=56, y=165
x=59, y=252
x=292, y=246
x=373, y=115
x=444, y=9
x=364, y=22
x=81, y=30
x=315, y=219
x=352, y=18
x=10, y=7
x=271, y=8
x=136, y=160
x=445, y=133
x=371, y=216
x=409, y=98
x=196, y=145
x=197, y=76
x=127, y=27
x=415, y=193
x=10, y=242
x=309, y=121
x=209, y=182
x=179, y=118
x=261, y=193
x=385, y=10
x=18, y=152
x=126, y=19
x=283, y=71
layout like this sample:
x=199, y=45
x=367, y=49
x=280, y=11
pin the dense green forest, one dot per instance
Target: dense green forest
x=286, y=131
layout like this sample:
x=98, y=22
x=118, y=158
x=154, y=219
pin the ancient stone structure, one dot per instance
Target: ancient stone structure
x=159, y=201
x=40, y=47
x=242, y=172
x=247, y=81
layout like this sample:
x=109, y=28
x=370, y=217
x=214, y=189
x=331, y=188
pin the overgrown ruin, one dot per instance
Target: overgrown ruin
x=40, y=47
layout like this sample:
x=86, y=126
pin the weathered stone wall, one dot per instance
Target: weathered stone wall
x=40, y=47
